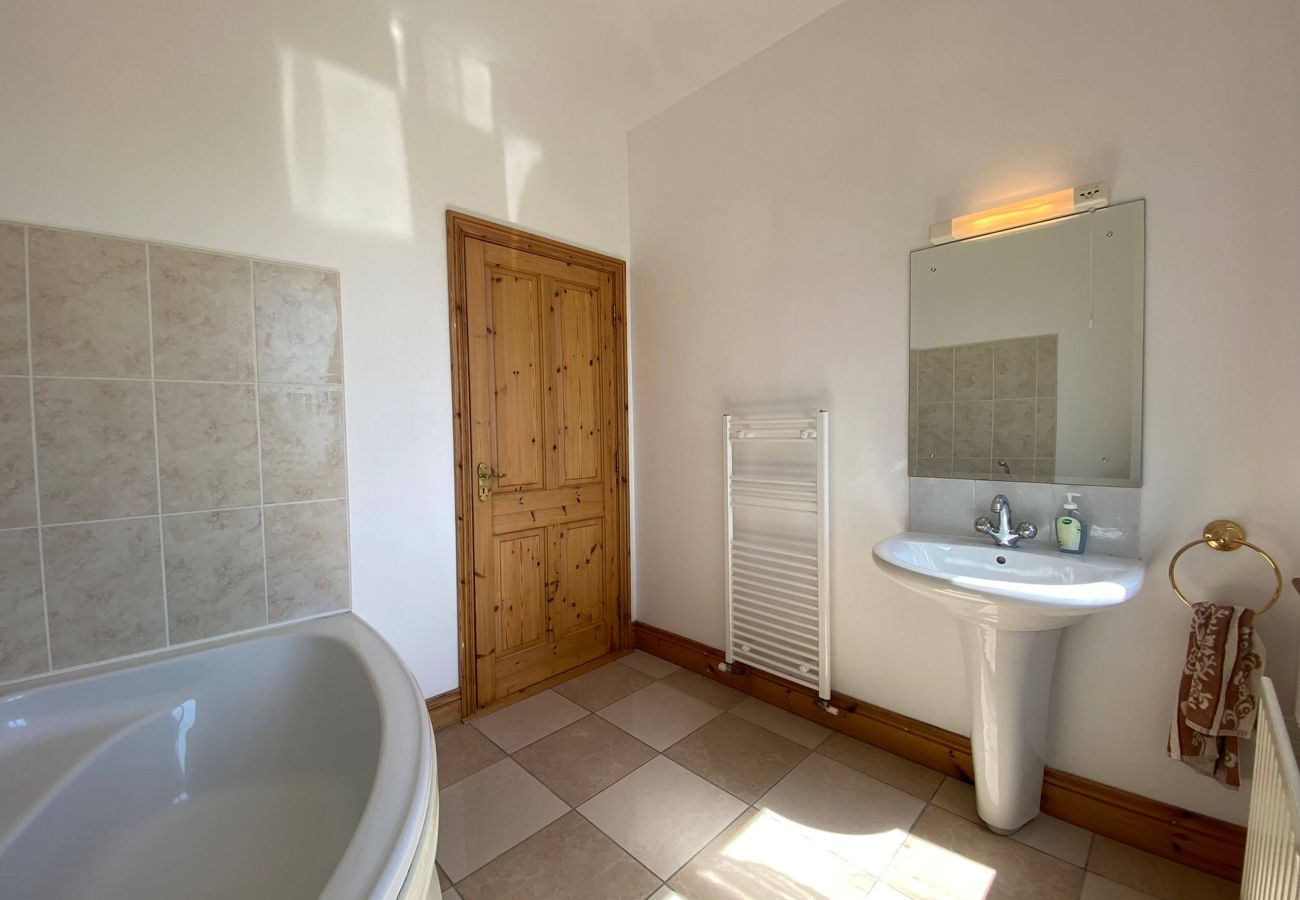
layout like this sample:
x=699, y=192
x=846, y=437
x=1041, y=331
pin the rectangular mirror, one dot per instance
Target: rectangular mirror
x=1026, y=360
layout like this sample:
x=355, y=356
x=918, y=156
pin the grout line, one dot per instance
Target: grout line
x=257, y=414
x=185, y=512
x=157, y=454
x=36, y=475
x=142, y=378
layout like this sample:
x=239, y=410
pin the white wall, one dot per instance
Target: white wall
x=772, y=216
x=332, y=133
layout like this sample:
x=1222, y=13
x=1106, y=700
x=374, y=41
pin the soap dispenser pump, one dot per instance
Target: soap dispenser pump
x=1071, y=529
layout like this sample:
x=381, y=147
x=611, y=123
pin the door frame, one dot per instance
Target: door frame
x=460, y=228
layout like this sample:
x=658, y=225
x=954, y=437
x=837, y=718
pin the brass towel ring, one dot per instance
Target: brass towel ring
x=1223, y=534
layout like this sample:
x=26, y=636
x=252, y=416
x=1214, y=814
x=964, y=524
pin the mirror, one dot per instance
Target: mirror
x=1026, y=360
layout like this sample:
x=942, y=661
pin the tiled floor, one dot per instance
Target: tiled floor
x=643, y=780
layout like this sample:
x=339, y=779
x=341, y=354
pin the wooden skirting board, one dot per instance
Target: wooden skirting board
x=1186, y=837
x=444, y=709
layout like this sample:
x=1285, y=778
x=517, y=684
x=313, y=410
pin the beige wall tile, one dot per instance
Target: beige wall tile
x=298, y=334
x=1045, y=428
x=1047, y=365
x=103, y=586
x=216, y=576
x=202, y=315
x=971, y=466
x=972, y=428
x=13, y=301
x=207, y=446
x=934, y=430
x=95, y=449
x=302, y=443
x=934, y=375
x=89, y=305
x=17, y=475
x=1015, y=364
x=1013, y=428
x=973, y=371
x=306, y=559
x=23, y=649
x=934, y=467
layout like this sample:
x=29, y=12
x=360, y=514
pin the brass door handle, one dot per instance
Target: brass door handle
x=485, y=476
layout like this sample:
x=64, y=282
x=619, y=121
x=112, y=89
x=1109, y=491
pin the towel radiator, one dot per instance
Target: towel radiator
x=778, y=547
x=1272, y=866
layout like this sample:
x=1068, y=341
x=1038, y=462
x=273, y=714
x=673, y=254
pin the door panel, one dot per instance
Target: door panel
x=546, y=534
x=577, y=325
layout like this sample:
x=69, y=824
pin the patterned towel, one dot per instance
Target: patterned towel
x=1217, y=696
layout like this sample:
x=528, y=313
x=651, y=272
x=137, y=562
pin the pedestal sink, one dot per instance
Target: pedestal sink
x=1011, y=605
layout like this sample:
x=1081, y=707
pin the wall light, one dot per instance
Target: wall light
x=1022, y=212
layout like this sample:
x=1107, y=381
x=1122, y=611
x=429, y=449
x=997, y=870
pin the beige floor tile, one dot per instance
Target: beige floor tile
x=666, y=893
x=786, y=724
x=738, y=756
x=706, y=689
x=1154, y=875
x=462, y=751
x=531, y=719
x=662, y=814
x=648, y=664
x=484, y=815
x=567, y=860
x=1060, y=839
x=841, y=810
x=601, y=687
x=582, y=759
x=947, y=856
x=762, y=857
x=443, y=881
x=1097, y=888
x=450, y=894
x=882, y=765
x=659, y=715
x=957, y=797
x=883, y=891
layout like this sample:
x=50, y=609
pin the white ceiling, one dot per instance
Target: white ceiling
x=634, y=58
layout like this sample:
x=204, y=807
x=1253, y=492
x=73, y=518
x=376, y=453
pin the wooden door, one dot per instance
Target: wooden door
x=545, y=412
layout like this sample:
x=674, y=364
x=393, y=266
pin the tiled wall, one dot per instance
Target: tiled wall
x=948, y=506
x=974, y=404
x=171, y=446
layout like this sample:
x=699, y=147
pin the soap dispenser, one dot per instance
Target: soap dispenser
x=1071, y=529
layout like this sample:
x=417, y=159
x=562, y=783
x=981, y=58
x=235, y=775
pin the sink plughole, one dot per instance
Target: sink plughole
x=1011, y=605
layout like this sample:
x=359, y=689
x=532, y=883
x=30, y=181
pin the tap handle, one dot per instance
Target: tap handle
x=1027, y=530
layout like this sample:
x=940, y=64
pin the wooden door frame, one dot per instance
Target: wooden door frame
x=460, y=228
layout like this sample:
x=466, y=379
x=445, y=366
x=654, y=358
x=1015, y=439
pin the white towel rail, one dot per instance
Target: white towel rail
x=778, y=546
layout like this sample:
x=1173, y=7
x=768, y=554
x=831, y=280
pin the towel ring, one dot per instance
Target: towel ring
x=1224, y=534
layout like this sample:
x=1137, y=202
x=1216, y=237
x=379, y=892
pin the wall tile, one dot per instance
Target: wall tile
x=202, y=315
x=940, y=506
x=95, y=449
x=1047, y=366
x=1113, y=515
x=216, y=573
x=306, y=559
x=207, y=446
x=1045, y=428
x=89, y=305
x=911, y=378
x=972, y=429
x=1045, y=470
x=17, y=474
x=971, y=466
x=1015, y=365
x=933, y=466
x=973, y=371
x=911, y=429
x=302, y=443
x=1013, y=428
x=1020, y=469
x=1030, y=502
x=298, y=332
x=934, y=375
x=934, y=430
x=13, y=301
x=23, y=649
x=103, y=586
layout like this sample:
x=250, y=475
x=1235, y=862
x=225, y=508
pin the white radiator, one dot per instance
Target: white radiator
x=778, y=546
x=1272, y=867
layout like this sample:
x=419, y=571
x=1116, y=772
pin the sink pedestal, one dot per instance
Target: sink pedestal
x=1009, y=676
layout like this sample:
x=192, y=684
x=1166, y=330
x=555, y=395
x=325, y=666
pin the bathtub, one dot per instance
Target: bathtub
x=294, y=762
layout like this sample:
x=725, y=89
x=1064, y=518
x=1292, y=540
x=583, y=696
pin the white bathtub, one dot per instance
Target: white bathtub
x=290, y=763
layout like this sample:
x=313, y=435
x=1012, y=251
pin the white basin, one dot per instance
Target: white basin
x=1026, y=588
x=1011, y=605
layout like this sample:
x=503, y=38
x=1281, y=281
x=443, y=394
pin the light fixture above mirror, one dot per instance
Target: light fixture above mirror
x=1022, y=212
